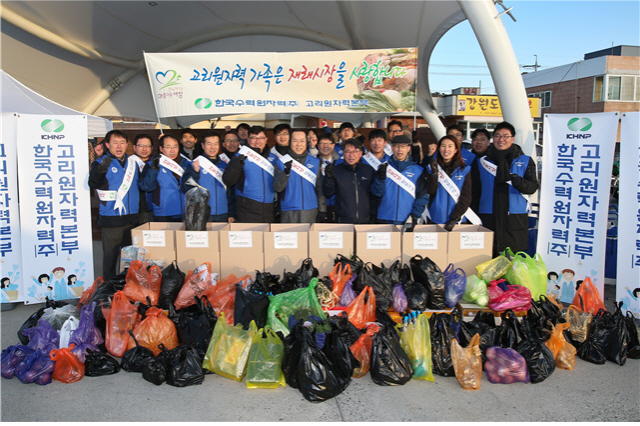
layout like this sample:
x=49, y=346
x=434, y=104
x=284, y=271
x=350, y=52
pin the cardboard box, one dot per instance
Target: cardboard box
x=326, y=241
x=286, y=245
x=378, y=243
x=242, y=249
x=158, y=238
x=428, y=241
x=469, y=245
x=193, y=248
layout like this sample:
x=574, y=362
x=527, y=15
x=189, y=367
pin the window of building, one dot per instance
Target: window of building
x=545, y=98
x=620, y=88
x=613, y=88
x=598, y=89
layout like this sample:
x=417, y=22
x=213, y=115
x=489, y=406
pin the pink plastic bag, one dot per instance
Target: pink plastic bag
x=516, y=297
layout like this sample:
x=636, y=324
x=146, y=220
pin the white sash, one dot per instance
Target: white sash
x=171, y=165
x=300, y=169
x=211, y=168
x=224, y=158
x=275, y=152
x=401, y=180
x=492, y=168
x=454, y=192
x=372, y=160
x=254, y=157
x=138, y=161
x=388, y=150
x=118, y=196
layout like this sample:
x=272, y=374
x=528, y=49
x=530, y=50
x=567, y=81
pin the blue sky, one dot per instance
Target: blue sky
x=559, y=32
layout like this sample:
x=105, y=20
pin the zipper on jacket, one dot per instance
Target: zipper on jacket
x=355, y=184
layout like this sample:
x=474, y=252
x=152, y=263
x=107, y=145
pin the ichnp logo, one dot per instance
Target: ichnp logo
x=168, y=78
x=203, y=103
x=577, y=124
x=52, y=126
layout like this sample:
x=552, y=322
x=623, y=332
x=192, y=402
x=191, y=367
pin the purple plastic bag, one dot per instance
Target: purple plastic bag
x=42, y=336
x=505, y=365
x=400, y=302
x=80, y=350
x=36, y=368
x=348, y=295
x=11, y=357
x=455, y=283
x=87, y=333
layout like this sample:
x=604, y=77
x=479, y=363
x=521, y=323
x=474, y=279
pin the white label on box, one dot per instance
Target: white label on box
x=378, y=240
x=240, y=239
x=153, y=239
x=425, y=241
x=196, y=239
x=472, y=240
x=285, y=240
x=330, y=240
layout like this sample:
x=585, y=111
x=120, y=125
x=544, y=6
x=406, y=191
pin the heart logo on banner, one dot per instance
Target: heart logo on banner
x=167, y=78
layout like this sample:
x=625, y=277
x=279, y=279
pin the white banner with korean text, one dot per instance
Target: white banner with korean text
x=574, y=199
x=53, y=171
x=197, y=83
x=628, y=271
x=11, y=260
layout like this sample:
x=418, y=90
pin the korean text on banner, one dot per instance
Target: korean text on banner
x=628, y=273
x=382, y=80
x=574, y=199
x=53, y=171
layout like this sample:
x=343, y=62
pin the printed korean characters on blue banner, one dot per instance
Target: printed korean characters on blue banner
x=55, y=209
x=574, y=199
x=628, y=272
x=382, y=80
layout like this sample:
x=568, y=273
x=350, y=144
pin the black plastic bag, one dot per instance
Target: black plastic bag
x=291, y=359
x=417, y=295
x=134, y=359
x=591, y=352
x=103, y=296
x=510, y=332
x=172, y=281
x=610, y=334
x=367, y=277
x=338, y=352
x=355, y=262
x=300, y=278
x=441, y=335
x=32, y=321
x=429, y=275
x=389, y=276
x=188, y=371
x=266, y=283
x=195, y=324
x=100, y=364
x=390, y=364
x=634, y=336
x=382, y=317
x=197, y=210
x=154, y=371
x=250, y=307
x=540, y=361
x=349, y=333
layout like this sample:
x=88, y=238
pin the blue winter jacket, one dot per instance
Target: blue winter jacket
x=396, y=204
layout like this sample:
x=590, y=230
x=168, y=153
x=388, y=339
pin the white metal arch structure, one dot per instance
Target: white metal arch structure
x=87, y=55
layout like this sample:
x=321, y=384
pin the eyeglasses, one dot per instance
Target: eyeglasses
x=231, y=140
x=258, y=138
x=143, y=146
x=351, y=152
x=283, y=134
x=502, y=136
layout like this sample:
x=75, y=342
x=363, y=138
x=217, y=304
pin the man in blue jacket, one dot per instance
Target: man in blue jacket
x=401, y=186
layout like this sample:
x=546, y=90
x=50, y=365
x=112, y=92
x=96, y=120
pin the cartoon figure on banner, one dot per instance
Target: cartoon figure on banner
x=61, y=289
x=75, y=286
x=631, y=302
x=553, y=284
x=42, y=289
x=568, y=289
x=9, y=291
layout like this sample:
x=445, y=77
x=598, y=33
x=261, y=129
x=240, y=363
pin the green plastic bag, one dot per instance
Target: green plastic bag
x=476, y=291
x=229, y=349
x=302, y=303
x=415, y=339
x=493, y=269
x=528, y=272
x=265, y=361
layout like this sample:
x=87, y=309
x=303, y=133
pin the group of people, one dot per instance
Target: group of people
x=309, y=176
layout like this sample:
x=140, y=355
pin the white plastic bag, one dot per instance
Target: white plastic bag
x=67, y=330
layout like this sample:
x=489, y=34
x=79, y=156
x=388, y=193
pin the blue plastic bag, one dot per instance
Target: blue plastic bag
x=455, y=283
x=12, y=357
x=87, y=332
x=36, y=368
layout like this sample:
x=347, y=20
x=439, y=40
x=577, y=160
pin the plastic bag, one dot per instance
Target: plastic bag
x=390, y=364
x=511, y=332
x=634, y=336
x=122, y=319
x=172, y=281
x=361, y=350
x=563, y=352
x=228, y=352
x=266, y=283
x=222, y=296
x=476, y=291
x=156, y=328
x=348, y=295
x=69, y=326
x=68, y=368
x=195, y=327
x=100, y=364
x=588, y=298
x=455, y=284
x=130, y=254
x=87, y=331
x=467, y=363
x=493, y=269
x=43, y=336
x=526, y=272
x=415, y=337
x=505, y=365
x=368, y=278
x=194, y=284
x=441, y=335
x=301, y=303
x=540, y=360
x=429, y=275
x=12, y=357
x=612, y=335
x=400, y=303
x=363, y=309
x=339, y=276
x=264, y=370
x=37, y=368
x=88, y=293
x=57, y=316
x=154, y=371
x=32, y=321
x=579, y=323
x=188, y=371
x=250, y=307
x=143, y=281
x=197, y=210
x=417, y=295
x=300, y=278
x=103, y=297
x=135, y=358
x=516, y=297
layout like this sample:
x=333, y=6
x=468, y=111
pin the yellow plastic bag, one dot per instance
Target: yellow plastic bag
x=467, y=363
x=563, y=352
x=493, y=269
x=415, y=339
x=265, y=361
x=229, y=349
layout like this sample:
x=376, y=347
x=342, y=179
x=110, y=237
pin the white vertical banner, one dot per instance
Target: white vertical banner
x=11, y=272
x=628, y=271
x=53, y=171
x=574, y=199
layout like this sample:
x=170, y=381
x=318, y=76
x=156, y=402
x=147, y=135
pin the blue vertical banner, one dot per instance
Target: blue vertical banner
x=574, y=199
x=55, y=208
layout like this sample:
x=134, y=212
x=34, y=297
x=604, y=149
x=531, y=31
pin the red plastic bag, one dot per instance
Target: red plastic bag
x=87, y=294
x=195, y=284
x=588, y=298
x=68, y=368
x=155, y=329
x=143, y=282
x=363, y=309
x=222, y=296
x=339, y=277
x=123, y=317
x=516, y=297
x=361, y=350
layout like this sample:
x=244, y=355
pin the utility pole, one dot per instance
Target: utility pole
x=534, y=66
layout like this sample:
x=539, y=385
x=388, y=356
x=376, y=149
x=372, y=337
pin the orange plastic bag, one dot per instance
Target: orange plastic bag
x=123, y=317
x=196, y=282
x=361, y=350
x=155, y=329
x=563, y=352
x=588, y=298
x=68, y=368
x=467, y=363
x=87, y=294
x=363, y=309
x=143, y=282
x=339, y=277
x=222, y=296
